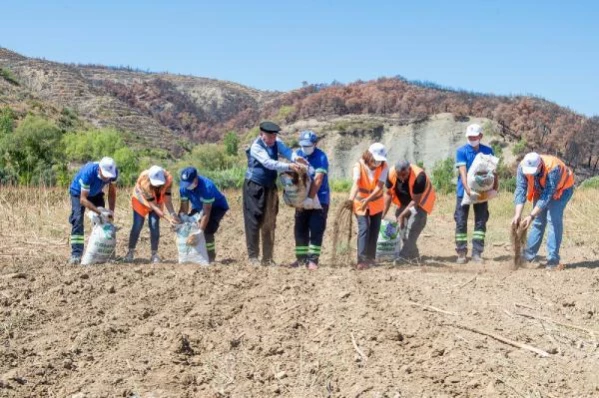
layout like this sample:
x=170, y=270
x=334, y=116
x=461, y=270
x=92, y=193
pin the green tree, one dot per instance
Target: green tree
x=231, y=143
x=92, y=145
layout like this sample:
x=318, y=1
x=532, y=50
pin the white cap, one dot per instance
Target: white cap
x=378, y=151
x=474, y=130
x=156, y=174
x=108, y=167
x=530, y=163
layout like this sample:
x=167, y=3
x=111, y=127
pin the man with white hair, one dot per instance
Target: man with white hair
x=87, y=192
x=464, y=158
x=151, y=194
x=548, y=183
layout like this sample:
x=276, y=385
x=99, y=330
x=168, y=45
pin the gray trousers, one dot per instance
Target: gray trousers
x=415, y=226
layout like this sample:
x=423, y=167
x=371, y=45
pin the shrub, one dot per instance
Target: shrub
x=341, y=185
x=30, y=152
x=590, y=183
x=9, y=76
x=7, y=120
x=443, y=175
x=231, y=142
x=520, y=147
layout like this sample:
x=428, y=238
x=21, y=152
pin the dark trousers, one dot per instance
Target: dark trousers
x=76, y=220
x=368, y=233
x=216, y=215
x=309, y=231
x=260, y=208
x=415, y=226
x=481, y=216
x=138, y=223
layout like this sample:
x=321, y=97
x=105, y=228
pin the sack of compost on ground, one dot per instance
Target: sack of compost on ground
x=388, y=243
x=296, y=188
x=195, y=253
x=102, y=241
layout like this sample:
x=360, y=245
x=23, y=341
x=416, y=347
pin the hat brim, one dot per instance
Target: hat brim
x=108, y=173
x=156, y=182
x=184, y=184
x=306, y=143
x=529, y=170
x=379, y=158
x=473, y=134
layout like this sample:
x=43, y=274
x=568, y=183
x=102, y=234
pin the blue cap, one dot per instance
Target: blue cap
x=307, y=138
x=188, y=175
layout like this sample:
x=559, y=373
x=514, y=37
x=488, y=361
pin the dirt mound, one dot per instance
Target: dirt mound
x=169, y=330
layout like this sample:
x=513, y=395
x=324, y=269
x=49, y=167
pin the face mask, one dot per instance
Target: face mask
x=308, y=150
x=192, y=186
x=377, y=163
x=474, y=144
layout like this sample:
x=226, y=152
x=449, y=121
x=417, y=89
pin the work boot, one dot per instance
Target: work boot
x=461, y=258
x=75, y=259
x=155, y=259
x=477, y=258
x=312, y=266
x=129, y=256
x=269, y=263
x=362, y=266
x=254, y=262
x=294, y=264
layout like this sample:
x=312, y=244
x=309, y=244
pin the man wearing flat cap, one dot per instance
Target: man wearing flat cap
x=260, y=198
x=410, y=189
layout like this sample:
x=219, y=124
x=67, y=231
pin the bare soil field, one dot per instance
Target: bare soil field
x=433, y=329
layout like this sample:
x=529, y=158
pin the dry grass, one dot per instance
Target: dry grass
x=34, y=222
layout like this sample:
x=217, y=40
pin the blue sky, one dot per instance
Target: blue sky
x=548, y=48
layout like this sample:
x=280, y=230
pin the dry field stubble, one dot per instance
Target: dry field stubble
x=428, y=330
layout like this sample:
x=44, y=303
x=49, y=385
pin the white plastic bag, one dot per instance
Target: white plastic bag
x=102, y=241
x=196, y=254
x=481, y=177
x=295, y=191
x=388, y=243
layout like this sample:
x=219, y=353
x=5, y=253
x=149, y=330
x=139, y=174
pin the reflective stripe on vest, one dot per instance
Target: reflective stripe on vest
x=566, y=181
x=366, y=187
x=428, y=197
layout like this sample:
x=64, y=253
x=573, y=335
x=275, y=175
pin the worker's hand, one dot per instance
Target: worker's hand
x=308, y=204
x=174, y=221
x=298, y=168
x=467, y=190
x=516, y=221
x=363, y=204
x=526, y=222
x=401, y=220
x=302, y=161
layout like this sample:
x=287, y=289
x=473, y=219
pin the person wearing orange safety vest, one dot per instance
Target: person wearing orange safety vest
x=366, y=195
x=548, y=183
x=410, y=189
x=151, y=194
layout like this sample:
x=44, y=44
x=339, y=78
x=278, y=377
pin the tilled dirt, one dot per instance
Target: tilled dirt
x=169, y=330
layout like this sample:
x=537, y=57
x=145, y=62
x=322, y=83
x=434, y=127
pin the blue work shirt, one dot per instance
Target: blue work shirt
x=88, y=179
x=205, y=193
x=464, y=157
x=319, y=163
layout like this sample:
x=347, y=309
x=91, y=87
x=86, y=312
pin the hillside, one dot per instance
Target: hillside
x=172, y=111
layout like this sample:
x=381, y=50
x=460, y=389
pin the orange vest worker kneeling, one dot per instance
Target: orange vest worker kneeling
x=369, y=176
x=410, y=189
